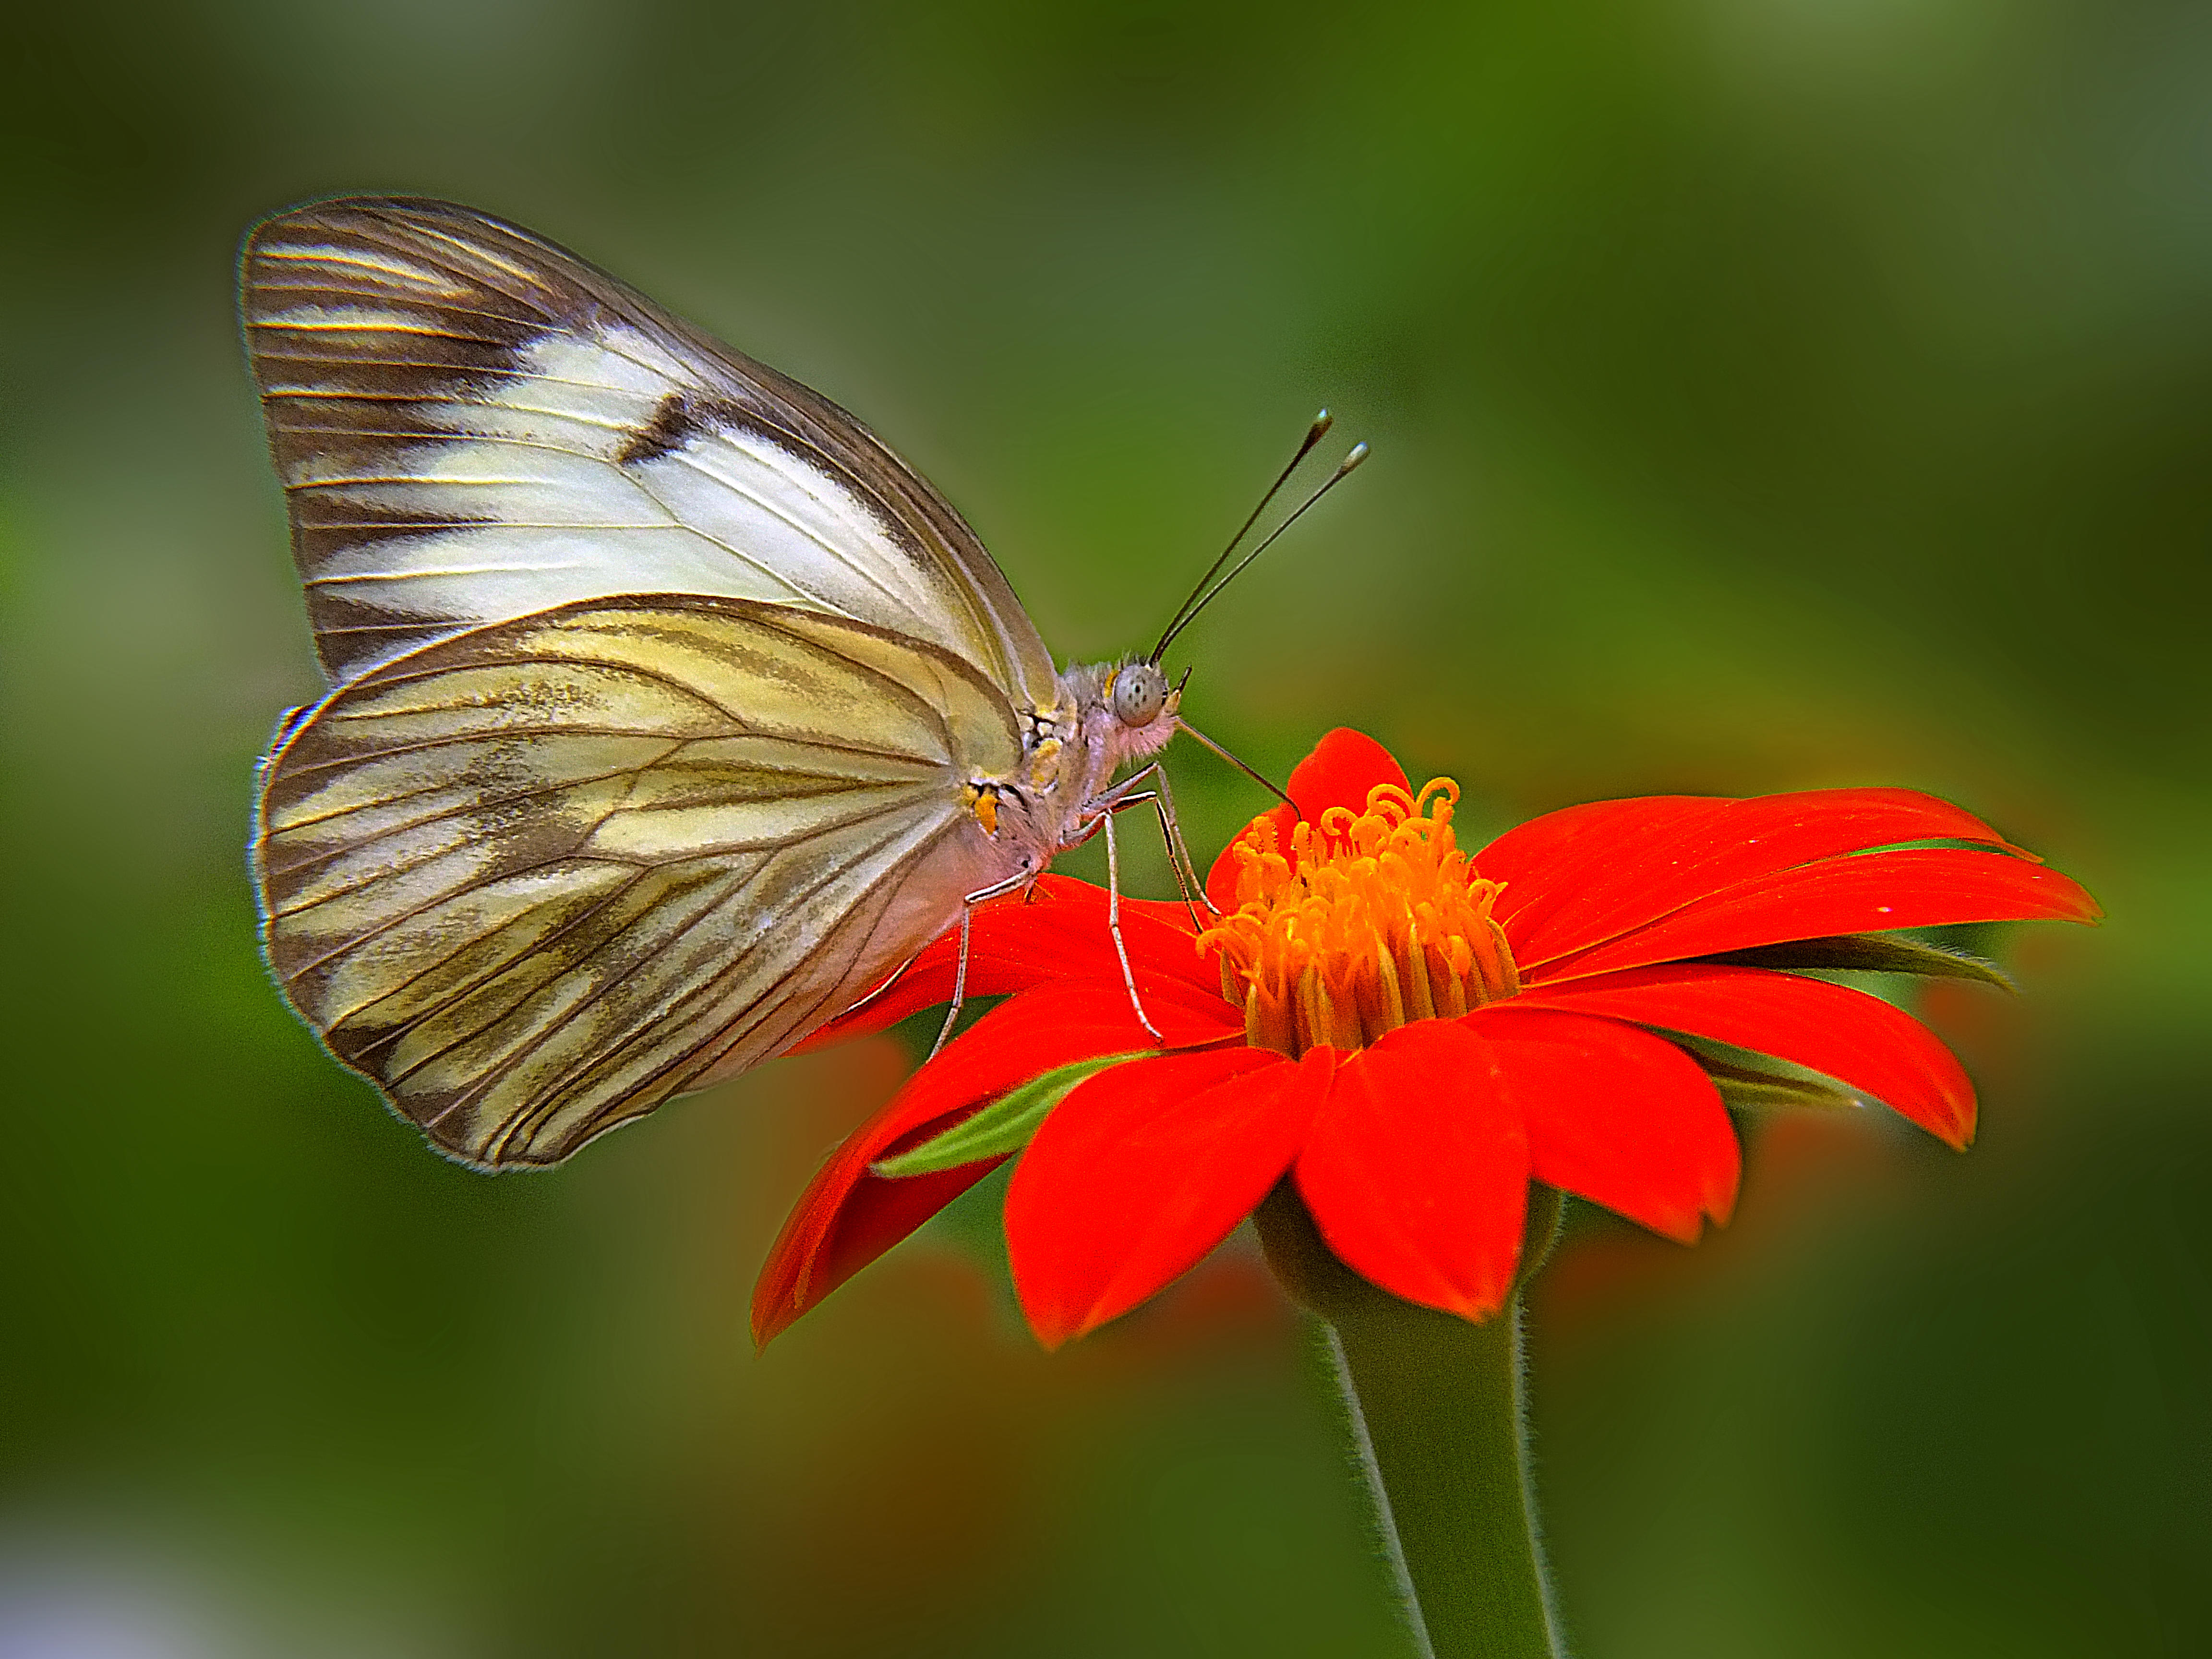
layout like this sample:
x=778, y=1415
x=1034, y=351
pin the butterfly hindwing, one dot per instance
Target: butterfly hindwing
x=533, y=879
x=472, y=425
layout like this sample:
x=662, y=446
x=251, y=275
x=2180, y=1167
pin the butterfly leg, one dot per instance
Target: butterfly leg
x=896, y=975
x=1114, y=924
x=983, y=894
x=1188, y=886
x=1193, y=889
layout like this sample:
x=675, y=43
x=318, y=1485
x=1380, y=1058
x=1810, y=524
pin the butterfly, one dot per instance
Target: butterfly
x=670, y=711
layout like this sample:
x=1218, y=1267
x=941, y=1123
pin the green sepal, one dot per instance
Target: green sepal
x=1750, y=1080
x=1868, y=952
x=1743, y=1089
x=1004, y=1126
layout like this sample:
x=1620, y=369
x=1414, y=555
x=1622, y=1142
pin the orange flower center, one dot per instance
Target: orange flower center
x=1375, y=920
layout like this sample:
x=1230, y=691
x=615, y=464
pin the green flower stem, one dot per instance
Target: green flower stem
x=1436, y=1409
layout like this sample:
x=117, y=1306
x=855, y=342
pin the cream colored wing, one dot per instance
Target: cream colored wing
x=535, y=879
x=473, y=425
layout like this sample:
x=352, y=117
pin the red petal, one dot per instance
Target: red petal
x=1143, y=1169
x=1616, y=1115
x=1343, y=766
x=1872, y=892
x=1417, y=1168
x=1578, y=877
x=1058, y=935
x=1554, y=854
x=848, y=1218
x=1859, y=1040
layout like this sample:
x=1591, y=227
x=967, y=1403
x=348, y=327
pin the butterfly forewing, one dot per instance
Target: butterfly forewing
x=472, y=425
x=536, y=878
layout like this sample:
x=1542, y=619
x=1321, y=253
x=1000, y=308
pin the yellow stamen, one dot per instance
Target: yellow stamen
x=1380, y=922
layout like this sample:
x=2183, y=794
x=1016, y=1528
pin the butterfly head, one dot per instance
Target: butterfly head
x=1141, y=694
x=1131, y=714
x=1110, y=713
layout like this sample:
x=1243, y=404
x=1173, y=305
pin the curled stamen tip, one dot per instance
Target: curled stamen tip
x=1369, y=889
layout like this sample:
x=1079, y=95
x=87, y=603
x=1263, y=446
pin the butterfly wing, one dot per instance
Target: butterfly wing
x=534, y=880
x=473, y=425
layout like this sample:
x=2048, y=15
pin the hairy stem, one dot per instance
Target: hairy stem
x=1436, y=1409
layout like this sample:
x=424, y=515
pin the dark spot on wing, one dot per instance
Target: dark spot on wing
x=674, y=420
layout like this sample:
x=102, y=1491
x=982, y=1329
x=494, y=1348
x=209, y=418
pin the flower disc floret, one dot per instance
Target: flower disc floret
x=1372, y=920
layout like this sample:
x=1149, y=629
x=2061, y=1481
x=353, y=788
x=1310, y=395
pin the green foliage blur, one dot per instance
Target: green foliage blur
x=1764, y=394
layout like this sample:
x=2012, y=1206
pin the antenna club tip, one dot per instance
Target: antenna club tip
x=1358, y=454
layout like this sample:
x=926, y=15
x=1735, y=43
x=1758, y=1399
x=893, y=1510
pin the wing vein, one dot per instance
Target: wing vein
x=477, y=983
x=296, y=824
x=683, y=455
x=888, y=877
x=548, y=1098
x=421, y=329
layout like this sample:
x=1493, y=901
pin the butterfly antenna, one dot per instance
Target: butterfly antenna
x=1258, y=777
x=1189, y=612
x=1314, y=434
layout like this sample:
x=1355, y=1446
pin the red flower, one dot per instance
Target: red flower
x=1412, y=1041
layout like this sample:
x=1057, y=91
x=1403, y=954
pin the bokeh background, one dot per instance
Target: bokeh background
x=1764, y=394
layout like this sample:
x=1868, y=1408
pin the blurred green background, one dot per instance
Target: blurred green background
x=1764, y=394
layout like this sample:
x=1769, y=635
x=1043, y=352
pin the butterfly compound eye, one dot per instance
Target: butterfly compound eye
x=1140, y=691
